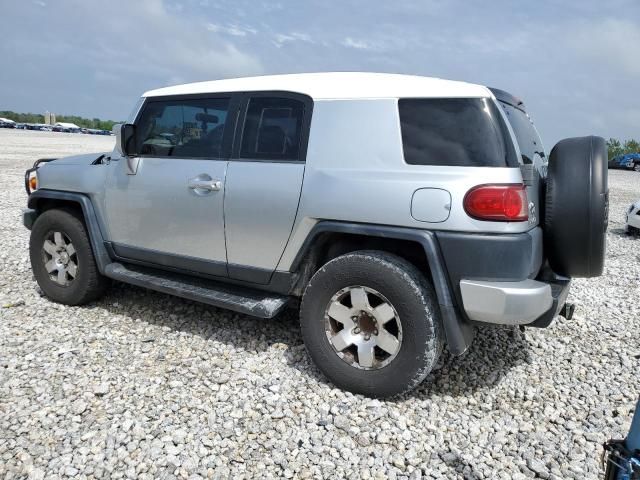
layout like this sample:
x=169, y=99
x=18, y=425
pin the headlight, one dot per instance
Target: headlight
x=33, y=182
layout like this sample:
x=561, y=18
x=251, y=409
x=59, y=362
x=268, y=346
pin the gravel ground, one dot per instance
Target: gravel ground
x=143, y=385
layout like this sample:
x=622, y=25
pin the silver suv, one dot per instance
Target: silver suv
x=403, y=212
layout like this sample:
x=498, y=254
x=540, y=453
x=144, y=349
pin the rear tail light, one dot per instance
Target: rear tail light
x=497, y=203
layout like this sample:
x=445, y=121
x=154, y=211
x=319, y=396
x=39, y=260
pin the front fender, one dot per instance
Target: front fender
x=39, y=197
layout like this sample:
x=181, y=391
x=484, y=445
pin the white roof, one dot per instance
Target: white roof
x=336, y=85
x=6, y=120
x=66, y=125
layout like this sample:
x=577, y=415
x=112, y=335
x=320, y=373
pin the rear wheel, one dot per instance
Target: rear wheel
x=636, y=166
x=62, y=259
x=371, y=323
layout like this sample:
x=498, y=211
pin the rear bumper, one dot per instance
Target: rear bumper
x=502, y=278
x=526, y=302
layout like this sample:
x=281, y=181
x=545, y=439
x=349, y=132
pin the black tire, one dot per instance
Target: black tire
x=406, y=290
x=88, y=284
x=636, y=166
x=577, y=207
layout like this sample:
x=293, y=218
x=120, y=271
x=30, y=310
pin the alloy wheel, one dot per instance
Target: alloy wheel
x=363, y=327
x=60, y=258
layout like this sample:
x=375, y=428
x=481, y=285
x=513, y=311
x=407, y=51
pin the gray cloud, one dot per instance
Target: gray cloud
x=96, y=58
x=357, y=44
x=576, y=69
x=613, y=42
x=234, y=30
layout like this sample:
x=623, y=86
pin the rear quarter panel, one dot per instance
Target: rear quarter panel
x=355, y=171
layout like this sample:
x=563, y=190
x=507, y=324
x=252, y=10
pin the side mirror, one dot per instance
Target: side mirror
x=125, y=139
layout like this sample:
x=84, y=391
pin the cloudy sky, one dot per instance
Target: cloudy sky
x=576, y=63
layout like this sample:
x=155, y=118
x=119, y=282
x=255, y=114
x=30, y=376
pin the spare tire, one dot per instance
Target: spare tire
x=576, y=207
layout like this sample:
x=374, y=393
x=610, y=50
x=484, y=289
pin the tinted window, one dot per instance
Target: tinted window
x=464, y=132
x=526, y=134
x=272, y=129
x=183, y=128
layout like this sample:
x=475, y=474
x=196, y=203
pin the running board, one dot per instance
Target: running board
x=239, y=299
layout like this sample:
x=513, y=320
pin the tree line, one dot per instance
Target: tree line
x=80, y=121
x=617, y=148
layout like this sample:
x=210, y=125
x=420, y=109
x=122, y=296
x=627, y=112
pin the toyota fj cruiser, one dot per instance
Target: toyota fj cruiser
x=404, y=212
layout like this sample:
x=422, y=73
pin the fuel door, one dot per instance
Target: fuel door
x=432, y=205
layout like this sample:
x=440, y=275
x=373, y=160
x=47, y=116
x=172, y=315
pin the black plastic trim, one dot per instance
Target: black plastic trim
x=91, y=221
x=459, y=333
x=280, y=282
x=162, y=259
x=249, y=274
x=508, y=98
x=559, y=291
x=29, y=217
x=503, y=258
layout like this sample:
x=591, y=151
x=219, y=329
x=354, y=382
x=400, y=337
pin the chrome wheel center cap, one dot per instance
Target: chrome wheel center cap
x=64, y=258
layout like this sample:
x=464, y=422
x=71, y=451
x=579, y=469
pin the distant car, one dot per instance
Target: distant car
x=36, y=126
x=632, y=219
x=7, y=124
x=629, y=161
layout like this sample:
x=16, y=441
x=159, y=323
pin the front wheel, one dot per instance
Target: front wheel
x=62, y=259
x=371, y=323
x=636, y=166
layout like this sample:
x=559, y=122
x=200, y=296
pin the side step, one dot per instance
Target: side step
x=239, y=299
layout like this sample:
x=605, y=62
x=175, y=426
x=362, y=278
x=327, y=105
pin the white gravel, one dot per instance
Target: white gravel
x=143, y=385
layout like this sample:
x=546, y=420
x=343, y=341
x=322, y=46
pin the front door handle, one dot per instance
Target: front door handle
x=204, y=183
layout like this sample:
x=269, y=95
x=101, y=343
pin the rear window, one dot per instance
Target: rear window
x=461, y=132
x=526, y=134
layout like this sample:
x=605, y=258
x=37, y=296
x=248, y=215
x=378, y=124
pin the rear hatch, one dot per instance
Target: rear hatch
x=533, y=159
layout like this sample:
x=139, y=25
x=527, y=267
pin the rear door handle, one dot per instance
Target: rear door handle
x=204, y=183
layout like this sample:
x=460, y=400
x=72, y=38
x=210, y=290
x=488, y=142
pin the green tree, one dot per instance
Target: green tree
x=614, y=147
x=631, y=146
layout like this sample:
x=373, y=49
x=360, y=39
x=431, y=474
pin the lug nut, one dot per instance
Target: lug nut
x=356, y=330
x=375, y=332
x=367, y=337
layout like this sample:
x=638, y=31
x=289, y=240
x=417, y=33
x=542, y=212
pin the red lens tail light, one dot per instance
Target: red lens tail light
x=497, y=203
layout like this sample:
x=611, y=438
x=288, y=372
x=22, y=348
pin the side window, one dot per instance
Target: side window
x=272, y=129
x=460, y=132
x=183, y=128
x=526, y=134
